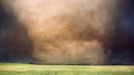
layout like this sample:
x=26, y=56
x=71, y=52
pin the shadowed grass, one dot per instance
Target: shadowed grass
x=33, y=69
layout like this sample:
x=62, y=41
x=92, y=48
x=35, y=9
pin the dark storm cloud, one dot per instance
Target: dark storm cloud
x=14, y=42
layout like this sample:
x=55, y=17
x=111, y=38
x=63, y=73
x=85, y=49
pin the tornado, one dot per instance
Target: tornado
x=64, y=32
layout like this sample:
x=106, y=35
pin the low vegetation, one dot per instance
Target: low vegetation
x=35, y=69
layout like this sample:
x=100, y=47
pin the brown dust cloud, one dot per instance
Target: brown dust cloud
x=67, y=32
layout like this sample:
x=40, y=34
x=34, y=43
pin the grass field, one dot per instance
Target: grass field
x=33, y=69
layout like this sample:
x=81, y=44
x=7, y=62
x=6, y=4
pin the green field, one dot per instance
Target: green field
x=33, y=69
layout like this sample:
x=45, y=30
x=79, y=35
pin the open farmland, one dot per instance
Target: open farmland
x=36, y=69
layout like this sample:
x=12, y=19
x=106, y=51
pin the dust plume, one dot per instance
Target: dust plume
x=66, y=32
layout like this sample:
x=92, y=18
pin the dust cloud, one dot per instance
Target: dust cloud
x=65, y=32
